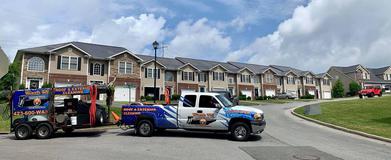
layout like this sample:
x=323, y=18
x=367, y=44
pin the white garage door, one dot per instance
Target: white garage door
x=187, y=90
x=326, y=95
x=311, y=92
x=247, y=93
x=270, y=92
x=122, y=94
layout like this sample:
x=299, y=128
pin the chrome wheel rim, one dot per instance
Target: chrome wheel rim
x=43, y=131
x=22, y=132
x=101, y=120
x=240, y=132
x=145, y=128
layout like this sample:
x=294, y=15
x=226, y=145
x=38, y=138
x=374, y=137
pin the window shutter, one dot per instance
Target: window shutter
x=145, y=72
x=241, y=78
x=91, y=69
x=182, y=75
x=193, y=76
x=78, y=63
x=59, y=62
x=205, y=77
x=199, y=77
x=223, y=76
x=213, y=75
x=102, y=73
x=158, y=73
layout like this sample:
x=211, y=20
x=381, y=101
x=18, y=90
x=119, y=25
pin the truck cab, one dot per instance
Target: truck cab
x=196, y=111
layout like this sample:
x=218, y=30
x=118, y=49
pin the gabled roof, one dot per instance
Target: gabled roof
x=322, y=75
x=189, y=64
x=348, y=69
x=255, y=68
x=169, y=63
x=97, y=51
x=379, y=71
x=285, y=70
x=206, y=65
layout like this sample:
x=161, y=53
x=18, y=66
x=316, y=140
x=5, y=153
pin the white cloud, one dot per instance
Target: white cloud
x=199, y=40
x=324, y=33
x=134, y=33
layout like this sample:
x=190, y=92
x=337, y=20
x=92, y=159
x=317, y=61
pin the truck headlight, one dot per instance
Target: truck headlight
x=258, y=116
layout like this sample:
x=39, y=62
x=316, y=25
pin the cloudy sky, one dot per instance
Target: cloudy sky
x=310, y=35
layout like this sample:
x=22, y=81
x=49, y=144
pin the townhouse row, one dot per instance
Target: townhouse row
x=79, y=63
x=366, y=77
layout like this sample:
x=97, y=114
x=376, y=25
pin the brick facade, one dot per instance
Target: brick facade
x=67, y=79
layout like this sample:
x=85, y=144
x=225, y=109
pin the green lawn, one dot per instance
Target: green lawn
x=372, y=115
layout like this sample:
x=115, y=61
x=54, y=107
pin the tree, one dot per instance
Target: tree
x=354, y=87
x=9, y=81
x=338, y=90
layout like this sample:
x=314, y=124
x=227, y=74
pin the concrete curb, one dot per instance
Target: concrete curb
x=341, y=128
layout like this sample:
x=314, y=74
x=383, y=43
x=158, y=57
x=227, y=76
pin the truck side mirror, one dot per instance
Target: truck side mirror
x=218, y=106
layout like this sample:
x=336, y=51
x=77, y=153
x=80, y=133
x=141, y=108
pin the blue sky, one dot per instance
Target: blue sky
x=307, y=34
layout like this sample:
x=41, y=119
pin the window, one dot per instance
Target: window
x=73, y=63
x=125, y=68
x=69, y=63
x=291, y=80
x=202, y=77
x=36, y=64
x=189, y=101
x=218, y=76
x=231, y=80
x=269, y=78
x=97, y=69
x=326, y=82
x=169, y=76
x=280, y=81
x=309, y=80
x=208, y=102
x=188, y=76
x=245, y=78
x=150, y=73
x=65, y=62
x=256, y=79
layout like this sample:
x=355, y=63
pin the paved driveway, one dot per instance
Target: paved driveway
x=286, y=137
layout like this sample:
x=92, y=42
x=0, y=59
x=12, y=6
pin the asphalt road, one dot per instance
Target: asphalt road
x=286, y=137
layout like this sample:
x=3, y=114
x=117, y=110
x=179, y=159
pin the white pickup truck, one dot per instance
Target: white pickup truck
x=195, y=111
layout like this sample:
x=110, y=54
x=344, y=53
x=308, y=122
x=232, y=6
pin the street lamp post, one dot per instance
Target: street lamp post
x=155, y=46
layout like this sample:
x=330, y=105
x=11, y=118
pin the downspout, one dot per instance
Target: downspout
x=21, y=72
x=50, y=57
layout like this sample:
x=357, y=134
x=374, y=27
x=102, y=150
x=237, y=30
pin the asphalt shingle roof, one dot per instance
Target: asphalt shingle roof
x=347, y=69
x=378, y=71
x=285, y=69
x=255, y=68
x=205, y=65
x=95, y=50
x=170, y=63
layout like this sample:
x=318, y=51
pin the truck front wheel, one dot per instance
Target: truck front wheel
x=23, y=131
x=145, y=128
x=44, y=131
x=240, y=131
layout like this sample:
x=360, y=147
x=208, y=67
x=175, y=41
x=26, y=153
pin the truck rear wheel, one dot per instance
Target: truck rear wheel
x=371, y=94
x=44, y=131
x=380, y=94
x=240, y=131
x=145, y=128
x=23, y=131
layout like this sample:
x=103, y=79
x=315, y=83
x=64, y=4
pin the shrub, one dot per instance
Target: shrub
x=47, y=85
x=242, y=97
x=259, y=98
x=248, y=98
x=175, y=97
x=308, y=96
x=338, y=90
x=148, y=98
x=142, y=98
x=354, y=88
x=22, y=86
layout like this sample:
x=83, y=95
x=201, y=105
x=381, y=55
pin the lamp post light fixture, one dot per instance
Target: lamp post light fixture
x=155, y=47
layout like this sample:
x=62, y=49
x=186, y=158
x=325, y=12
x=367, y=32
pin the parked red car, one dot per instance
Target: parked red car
x=370, y=92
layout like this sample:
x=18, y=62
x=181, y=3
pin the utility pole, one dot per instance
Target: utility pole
x=162, y=47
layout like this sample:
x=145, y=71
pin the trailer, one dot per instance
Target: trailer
x=41, y=112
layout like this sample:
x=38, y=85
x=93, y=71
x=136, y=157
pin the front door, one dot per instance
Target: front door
x=209, y=113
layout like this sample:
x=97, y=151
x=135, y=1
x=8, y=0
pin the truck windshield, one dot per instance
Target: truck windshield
x=225, y=101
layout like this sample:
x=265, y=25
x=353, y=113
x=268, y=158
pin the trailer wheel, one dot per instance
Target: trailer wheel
x=23, y=131
x=240, y=131
x=44, y=131
x=145, y=128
